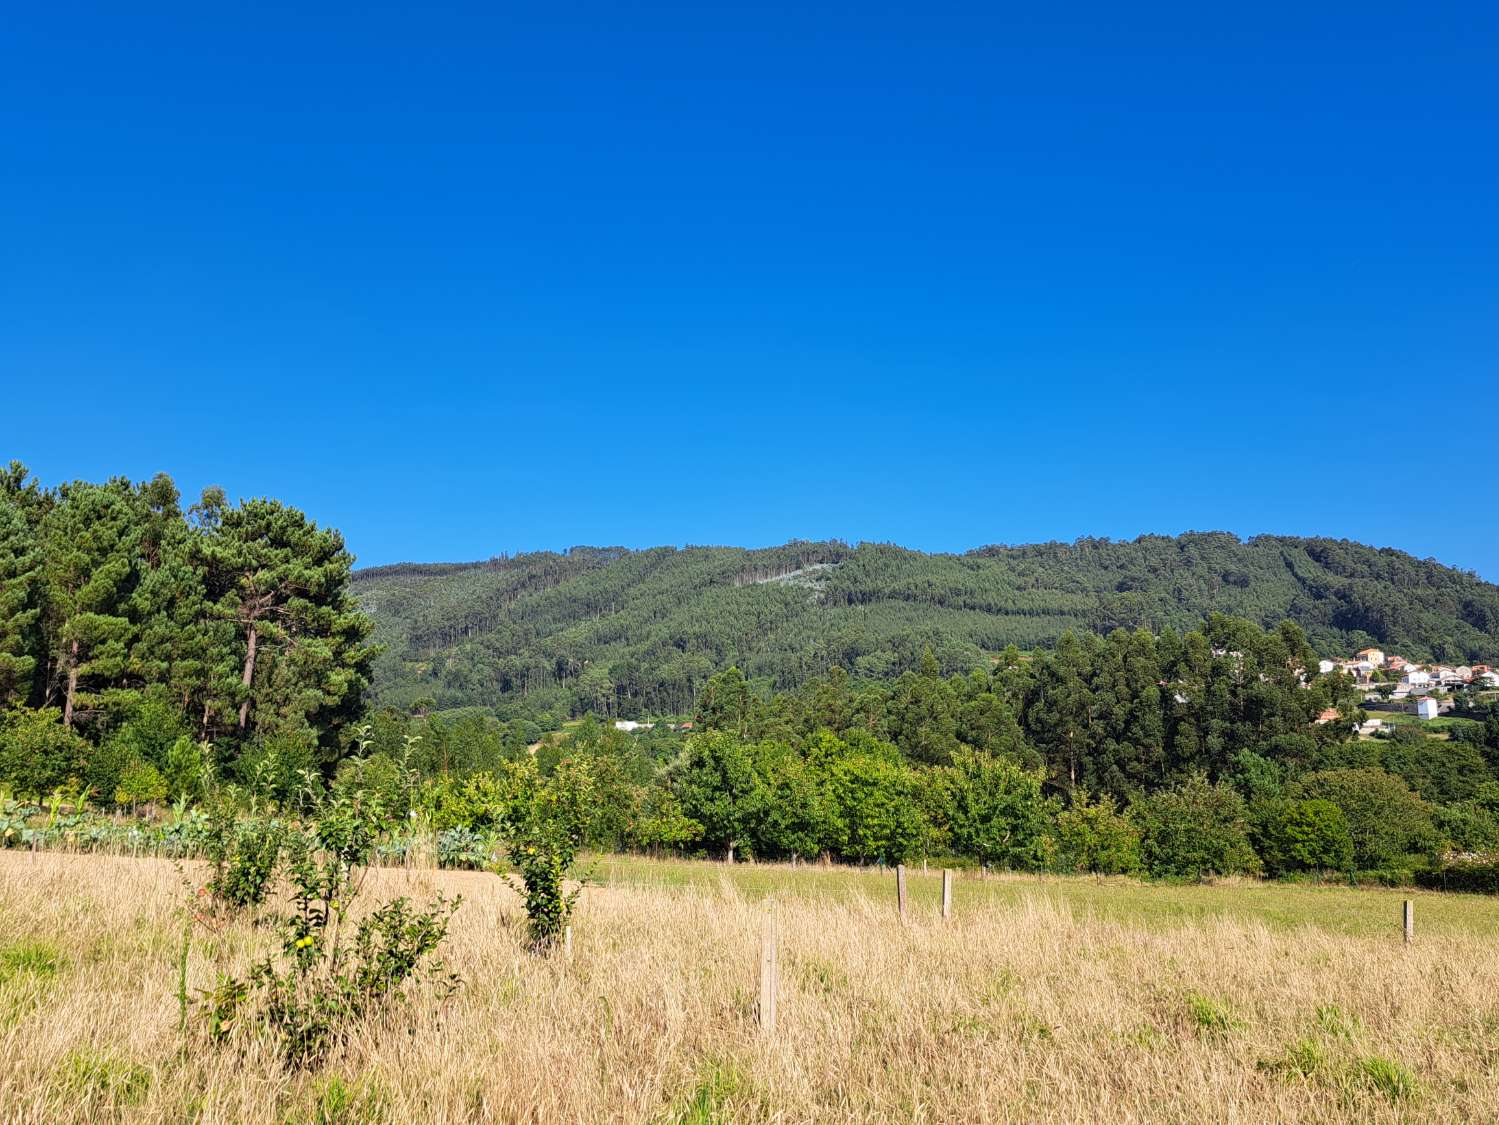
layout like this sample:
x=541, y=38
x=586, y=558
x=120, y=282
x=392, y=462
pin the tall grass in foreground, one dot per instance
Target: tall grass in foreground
x=1020, y=1009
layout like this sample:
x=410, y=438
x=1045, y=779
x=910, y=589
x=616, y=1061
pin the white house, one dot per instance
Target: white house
x=1326, y=666
x=1416, y=679
x=630, y=726
x=1374, y=656
x=1426, y=708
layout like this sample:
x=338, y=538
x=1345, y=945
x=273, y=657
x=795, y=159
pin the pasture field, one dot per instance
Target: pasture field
x=1040, y=1000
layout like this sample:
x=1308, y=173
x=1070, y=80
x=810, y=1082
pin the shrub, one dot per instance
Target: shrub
x=542, y=823
x=323, y=981
x=1390, y=826
x=140, y=783
x=243, y=854
x=463, y=848
x=38, y=753
x=1476, y=876
x=1194, y=830
x=1305, y=835
x=1095, y=837
x=1467, y=827
x=187, y=769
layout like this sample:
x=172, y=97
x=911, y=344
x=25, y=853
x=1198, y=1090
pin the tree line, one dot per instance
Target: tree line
x=1172, y=754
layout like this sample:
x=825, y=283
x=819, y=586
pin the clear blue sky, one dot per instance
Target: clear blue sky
x=480, y=278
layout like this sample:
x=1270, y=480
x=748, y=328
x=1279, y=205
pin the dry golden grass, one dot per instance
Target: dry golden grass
x=1016, y=1010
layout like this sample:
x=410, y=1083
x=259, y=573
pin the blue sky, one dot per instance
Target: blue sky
x=485, y=278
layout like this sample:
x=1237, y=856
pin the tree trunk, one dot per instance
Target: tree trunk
x=67, y=710
x=244, y=707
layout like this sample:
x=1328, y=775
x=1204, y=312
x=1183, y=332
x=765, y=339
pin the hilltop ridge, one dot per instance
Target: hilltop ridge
x=624, y=631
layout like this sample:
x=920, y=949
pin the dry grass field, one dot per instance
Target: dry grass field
x=1041, y=1000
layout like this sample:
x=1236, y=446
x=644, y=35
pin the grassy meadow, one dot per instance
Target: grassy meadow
x=1042, y=999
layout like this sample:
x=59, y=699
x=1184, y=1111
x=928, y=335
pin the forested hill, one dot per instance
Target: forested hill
x=634, y=632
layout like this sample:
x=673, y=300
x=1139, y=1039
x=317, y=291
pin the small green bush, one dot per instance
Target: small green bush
x=325, y=979
x=1210, y=1015
x=1303, y=1059
x=1390, y=1078
x=31, y=958
x=244, y=854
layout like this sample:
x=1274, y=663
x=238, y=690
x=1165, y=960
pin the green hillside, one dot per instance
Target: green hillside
x=634, y=632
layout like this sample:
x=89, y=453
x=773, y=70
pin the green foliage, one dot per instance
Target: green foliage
x=140, y=783
x=542, y=822
x=719, y=788
x=325, y=978
x=1095, y=837
x=1305, y=835
x=143, y=625
x=873, y=795
x=37, y=753
x=243, y=853
x=623, y=632
x=1390, y=826
x=996, y=811
x=188, y=769
x=1195, y=830
x=1470, y=876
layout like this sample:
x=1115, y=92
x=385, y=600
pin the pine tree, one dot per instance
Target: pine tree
x=89, y=541
x=283, y=583
x=20, y=562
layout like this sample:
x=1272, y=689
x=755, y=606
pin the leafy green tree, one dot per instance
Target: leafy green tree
x=727, y=704
x=1305, y=835
x=1195, y=830
x=188, y=768
x=140, y=783
x=873, y=795
x=37, y=752
x=1467, y=827
x=1438, y=771
x=663, y=824
x=924, y=714
x=719, y=788
x=797, y=816
x=1128, y=721
x=997, y=812
x=1095, y=837
x=1059, y=709
x=543, y=821
x=1391, y=827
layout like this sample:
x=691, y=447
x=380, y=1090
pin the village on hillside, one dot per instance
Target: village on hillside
x=1393, y=684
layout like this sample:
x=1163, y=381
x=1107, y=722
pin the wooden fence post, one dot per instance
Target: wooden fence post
x=946, y=893
x=1410, y=921
x=769, y=975
x=900, y=890
x=567, y=942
